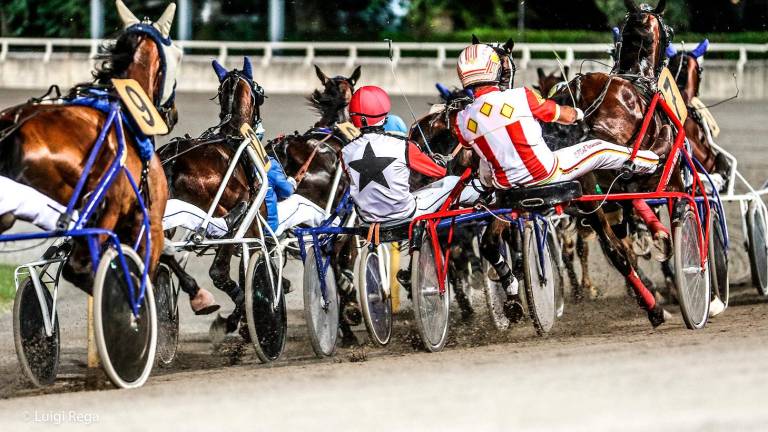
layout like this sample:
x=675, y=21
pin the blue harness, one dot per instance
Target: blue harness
x=101, y=100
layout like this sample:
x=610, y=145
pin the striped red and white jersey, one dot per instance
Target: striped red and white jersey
x=503, y=128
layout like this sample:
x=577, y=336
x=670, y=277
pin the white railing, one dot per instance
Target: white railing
x=309, y=51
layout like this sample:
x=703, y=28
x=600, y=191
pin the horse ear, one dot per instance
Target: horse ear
x=508, y=45
x=247, y=68
x=540, y=73
x=566, y=69
x=671, y=51
x=701, y=49
x=220, y=70
x=355, y=76
x=125, y=14
x=165, y=21
x=631, y=6
x=321, y=75
x=616, y=34
x=661, y=7
x=475, y=40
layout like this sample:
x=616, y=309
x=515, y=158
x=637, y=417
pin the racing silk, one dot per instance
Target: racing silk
x=279, y=189
x=379, y=167
x=503, y=128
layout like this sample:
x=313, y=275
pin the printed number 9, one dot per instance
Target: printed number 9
x=139, y=104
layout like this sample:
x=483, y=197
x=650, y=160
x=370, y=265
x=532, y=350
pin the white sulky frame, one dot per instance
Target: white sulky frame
x=197, y=241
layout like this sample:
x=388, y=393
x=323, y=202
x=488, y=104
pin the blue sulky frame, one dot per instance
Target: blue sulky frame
x=114, y=119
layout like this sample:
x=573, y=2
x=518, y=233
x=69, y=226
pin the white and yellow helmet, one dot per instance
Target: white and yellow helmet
x=478, y=64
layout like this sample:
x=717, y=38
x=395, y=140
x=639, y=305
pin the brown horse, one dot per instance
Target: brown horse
x=297, y=150
x=195, y=169
x=45, y=145
x=687, y=71
x=548, y=81
x=615, y=105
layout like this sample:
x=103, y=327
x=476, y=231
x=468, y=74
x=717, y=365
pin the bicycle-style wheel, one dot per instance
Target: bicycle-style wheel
x=691, y=279
x=37, y=352
x=375, y=301
x=126, y=343
x=266, y=312
x=757, y=247
x=539, y=279
x=556, y=256
x=430, y=307
x=495, y=294
x=718, y=258
x=167, y=305
x=322, y=316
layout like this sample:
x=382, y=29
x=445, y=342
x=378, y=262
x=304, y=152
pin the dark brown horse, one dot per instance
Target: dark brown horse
x=615, y=105
x=45, y=145
x=296, y=150
x=195, y=169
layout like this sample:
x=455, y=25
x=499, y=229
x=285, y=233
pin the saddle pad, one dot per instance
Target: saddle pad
x=706, y=116
x=141, y=108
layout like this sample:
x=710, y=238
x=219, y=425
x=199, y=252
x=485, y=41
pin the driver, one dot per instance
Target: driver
x=503, y=129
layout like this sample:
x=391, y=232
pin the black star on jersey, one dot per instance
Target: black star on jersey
x=371, y=167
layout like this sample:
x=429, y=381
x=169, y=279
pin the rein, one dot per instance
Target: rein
x=299, y=176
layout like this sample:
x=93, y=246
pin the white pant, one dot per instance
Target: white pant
x=297, y=210
x=183, y=214
x=28, y=204
x=431, y=197
x=578, y=160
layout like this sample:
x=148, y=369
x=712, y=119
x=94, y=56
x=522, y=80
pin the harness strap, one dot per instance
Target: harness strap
x=299, y=176
x=373, y=233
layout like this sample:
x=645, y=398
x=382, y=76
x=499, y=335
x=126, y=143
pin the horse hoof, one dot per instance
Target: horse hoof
x=349, y=340
x=352, y=314
x=662, y=246
x=203, y=303
x=513, y=309
x=657, y=316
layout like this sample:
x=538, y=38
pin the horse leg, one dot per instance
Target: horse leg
x=186, y=281
x=569, y=239
x=489, y=249
x=219, y=273
x=662, y=240
x=342, y=261
x=582, y=249
x=621, y=258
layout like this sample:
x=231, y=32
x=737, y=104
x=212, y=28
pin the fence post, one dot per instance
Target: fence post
x=267, y=55
x=352, y=56
x=440, y=56
x=4, y=50
x=48, y=51
x=526, y=58
x=223, y=52
x=310, y=55
x=569, y=56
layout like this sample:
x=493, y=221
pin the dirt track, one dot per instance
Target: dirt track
x=603, y=368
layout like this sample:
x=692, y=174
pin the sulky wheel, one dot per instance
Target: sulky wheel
x=126, y=343
x=718, y=257
x=167, y=305
x=757, y=249
x=430, y=307
x=375, y=301
x=38, y=353
x=265, y=309
x=322, y=316
x=495, y=295
x=691, y=279
x=540, y=279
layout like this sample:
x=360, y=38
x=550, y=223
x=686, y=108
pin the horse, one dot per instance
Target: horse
x=687, y=70
x=548, y=81
x=44, y=143
x=195, y=168
x=615, y=105
x=315, y=154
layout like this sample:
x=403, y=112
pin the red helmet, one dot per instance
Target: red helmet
x=369, y=105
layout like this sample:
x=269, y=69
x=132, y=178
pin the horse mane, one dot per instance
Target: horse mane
x=328, y=103
x=116, y=57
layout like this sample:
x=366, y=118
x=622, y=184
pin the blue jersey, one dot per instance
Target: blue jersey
x=279, y=189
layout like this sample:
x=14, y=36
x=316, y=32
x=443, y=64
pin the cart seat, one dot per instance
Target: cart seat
x=388, y=232
x=539, y=198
